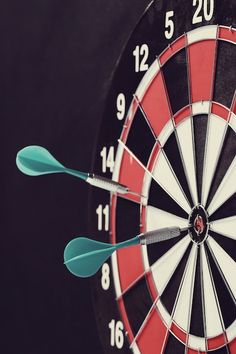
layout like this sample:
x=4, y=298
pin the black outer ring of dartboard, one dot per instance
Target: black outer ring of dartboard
x=104, y=302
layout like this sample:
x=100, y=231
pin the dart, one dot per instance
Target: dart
x=36, y=160
x=83, y=256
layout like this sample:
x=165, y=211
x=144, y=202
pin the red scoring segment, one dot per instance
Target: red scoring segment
x=220, y=110
x=131, y=257
x=129, y=260
x=153, y=336
x=155, y=104
x=227, y=34
x=182, y=114
x=178, y=332
x=130, y=265
x=201, y=67
x=134, y=184
x=216, y=342
x=232, y=346
x=129, y=119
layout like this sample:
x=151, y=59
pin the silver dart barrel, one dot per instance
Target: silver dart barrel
x=160, y=235
x=107, y=184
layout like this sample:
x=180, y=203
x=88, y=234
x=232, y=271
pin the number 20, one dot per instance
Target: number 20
x=208, y=10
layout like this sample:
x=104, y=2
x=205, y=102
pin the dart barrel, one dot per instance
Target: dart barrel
x=164, y=234
x=107, y=184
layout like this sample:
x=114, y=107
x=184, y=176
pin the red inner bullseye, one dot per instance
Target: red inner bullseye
x=198, y=221
x=199, y=224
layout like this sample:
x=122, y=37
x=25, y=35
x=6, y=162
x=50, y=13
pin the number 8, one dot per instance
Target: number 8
x=105, y=280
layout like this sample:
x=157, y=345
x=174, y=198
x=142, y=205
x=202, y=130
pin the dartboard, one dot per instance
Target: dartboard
x=168, y=133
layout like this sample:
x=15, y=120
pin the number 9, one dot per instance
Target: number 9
x=120, y=105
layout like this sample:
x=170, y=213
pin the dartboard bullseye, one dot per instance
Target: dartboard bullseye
x=198, y=220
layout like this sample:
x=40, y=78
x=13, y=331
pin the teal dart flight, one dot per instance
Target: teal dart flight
x=35, y=160
x=83, y=257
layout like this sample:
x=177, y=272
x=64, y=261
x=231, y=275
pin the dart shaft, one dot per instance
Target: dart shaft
x=81, y=175
x=107, y=184
x=164, y=234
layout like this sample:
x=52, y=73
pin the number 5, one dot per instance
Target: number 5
x=169, y=25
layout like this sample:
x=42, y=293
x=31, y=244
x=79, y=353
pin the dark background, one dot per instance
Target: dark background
x=56, y=64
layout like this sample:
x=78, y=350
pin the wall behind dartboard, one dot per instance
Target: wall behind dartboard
x=56, y=63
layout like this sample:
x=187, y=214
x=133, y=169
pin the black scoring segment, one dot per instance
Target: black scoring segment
x=140, y=139
x=174, y=346
x=227, y=305
x=175, y=71
x=169, y=295
x=200, y=130
x=227, y=243
x=160, y=199
x=127, y=219
x=137, y=303
x=197, y=322
x=225, y=210
x=226, y=157
x=172, y=152
x=157, y=250
x=225, y=68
